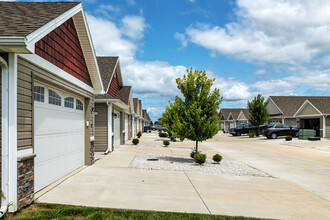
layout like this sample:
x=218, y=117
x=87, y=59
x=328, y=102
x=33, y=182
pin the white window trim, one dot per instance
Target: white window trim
x=63, y=94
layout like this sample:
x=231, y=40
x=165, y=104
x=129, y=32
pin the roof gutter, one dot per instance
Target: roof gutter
x=14, y=44
x=116, y=102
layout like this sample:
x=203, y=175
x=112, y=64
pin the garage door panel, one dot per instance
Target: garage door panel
x=59, y=141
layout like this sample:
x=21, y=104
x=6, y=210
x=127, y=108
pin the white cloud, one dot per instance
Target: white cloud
x=182, y=39
x=134, y=26
x=150, y=80
x=260, y=72
x=269, y=31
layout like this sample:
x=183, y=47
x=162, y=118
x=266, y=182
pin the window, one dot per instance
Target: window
x=69, y=102
x=54, y=98
x=286, y=126
x=79, y=105
x=39, y=93
x=279, y=126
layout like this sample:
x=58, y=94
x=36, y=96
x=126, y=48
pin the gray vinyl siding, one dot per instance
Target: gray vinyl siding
x=101, y=127
x=327, y=127
x=24, y=106
x=290, y=121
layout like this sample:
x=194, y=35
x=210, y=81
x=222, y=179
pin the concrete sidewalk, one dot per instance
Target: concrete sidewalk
x=110, y=183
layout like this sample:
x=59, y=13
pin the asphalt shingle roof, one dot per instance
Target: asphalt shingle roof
x=20, y=19
x=106, y=67
x=289, y=105
x=135, y=102
x=234, y=111
x=123, y=94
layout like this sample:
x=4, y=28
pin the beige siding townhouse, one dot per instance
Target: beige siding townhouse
x=111, y=107
x=49, y=75
x=281, y=109
x=314, y=114
x=136, y=116
x=232, y=117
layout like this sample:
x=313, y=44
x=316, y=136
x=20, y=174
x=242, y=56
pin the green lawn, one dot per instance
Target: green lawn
x=53, y=211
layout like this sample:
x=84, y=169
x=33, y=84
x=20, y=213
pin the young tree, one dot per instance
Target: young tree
x=167, y=119
x=258, y=111
x=195, y=116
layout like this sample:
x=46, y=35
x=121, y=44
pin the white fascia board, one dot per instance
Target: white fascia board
x=44, y=64
x=92, y=46
x=275, y=104
x=308, y=116
x=113, y=73
x=303, y=105
x=37, y=35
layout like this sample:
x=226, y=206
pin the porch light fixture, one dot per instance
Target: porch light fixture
x=114, y=115
x=95, y=111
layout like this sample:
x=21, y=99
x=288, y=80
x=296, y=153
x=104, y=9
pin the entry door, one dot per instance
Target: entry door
x=126, y=127
x=116, y=127
x=58, y=133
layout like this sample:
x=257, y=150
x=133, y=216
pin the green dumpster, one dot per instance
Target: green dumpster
x=304, y=134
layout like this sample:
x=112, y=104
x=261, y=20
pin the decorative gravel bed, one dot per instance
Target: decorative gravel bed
x=179, y=163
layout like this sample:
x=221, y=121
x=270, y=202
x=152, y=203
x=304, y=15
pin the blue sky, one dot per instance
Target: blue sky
x=270, y=47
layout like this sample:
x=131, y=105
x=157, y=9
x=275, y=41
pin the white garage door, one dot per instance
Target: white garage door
x=231, y=125
x=126, y=127
x=58, y=133
x=116, y=127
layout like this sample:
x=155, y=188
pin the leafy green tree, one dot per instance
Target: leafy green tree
x=167, y=119
x=258, y=111
x=195, y=116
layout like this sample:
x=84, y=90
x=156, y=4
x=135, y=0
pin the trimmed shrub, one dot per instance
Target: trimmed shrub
x=181, y=138
x=193, y=152
x=166, y=143
x=163, y=134
x=135, y=141
x=288, y=138
x=217, y=158
x=173, y=139
x=252, y=134
x=223, y=131
x=200, y=158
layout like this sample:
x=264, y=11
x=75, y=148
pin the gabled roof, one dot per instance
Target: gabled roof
x=124, y=93
x=289, y=105
x=23, y=18
x=246, y=113
x=144, y=113
x=135, y=101
x=107, y=67
x=320, y=104
x=23, y=24
x=140, y=107
x=234, y=112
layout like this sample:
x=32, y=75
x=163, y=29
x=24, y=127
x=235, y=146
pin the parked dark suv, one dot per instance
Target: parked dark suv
x=245, y=129
x=275, y=130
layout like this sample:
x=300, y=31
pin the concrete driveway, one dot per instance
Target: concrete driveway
x=300, y=189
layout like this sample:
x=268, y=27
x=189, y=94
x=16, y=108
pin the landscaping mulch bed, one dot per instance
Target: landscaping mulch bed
x=179, y=163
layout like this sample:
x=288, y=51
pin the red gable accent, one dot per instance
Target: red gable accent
x=62, y=48
x=114, y=86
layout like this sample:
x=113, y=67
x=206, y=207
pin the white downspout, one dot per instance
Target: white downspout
x=12, y=131
x=109, y=128
x=133, y=131
x=4, y=134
